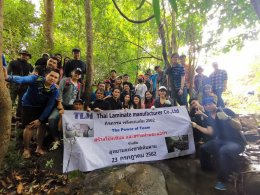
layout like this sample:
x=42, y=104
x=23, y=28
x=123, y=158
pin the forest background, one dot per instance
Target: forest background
x=206, y=31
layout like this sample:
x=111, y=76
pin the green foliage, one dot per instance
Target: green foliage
x=49, y=163
x=156, y=9
x=174, y=5
x=19, y=24
x=13, y=159
x=141, y=4
x=76, y=174
x=117, y=42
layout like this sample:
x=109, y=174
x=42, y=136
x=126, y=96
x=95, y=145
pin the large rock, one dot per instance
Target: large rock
x=251, y=183
x=135, y=179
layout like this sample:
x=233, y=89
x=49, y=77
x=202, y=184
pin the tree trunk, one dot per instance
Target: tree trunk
x=5, y=101
x=48, y=25
x=89, y=50
x=256, y=6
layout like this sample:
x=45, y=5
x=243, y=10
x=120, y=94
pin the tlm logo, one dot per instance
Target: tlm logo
x=83, y=115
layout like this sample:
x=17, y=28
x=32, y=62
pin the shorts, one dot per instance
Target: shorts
x=30, y=114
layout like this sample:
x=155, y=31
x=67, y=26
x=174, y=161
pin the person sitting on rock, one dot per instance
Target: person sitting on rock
x=197, y=115
x=227, y=142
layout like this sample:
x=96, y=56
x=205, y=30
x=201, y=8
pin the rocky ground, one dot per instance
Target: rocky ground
x=43, y=175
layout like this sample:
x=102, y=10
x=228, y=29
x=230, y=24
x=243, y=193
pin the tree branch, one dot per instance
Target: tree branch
x=144, y=57
x=127, y=41
x=130, y=20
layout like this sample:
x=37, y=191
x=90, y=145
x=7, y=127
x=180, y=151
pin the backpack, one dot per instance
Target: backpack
x=67, y=84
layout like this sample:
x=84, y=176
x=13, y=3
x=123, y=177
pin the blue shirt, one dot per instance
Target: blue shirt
x=175, y=74
x=153, y=78
x=37, y=95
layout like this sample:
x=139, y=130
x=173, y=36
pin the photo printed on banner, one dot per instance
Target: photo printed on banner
x=177, y=143
x=78, y=130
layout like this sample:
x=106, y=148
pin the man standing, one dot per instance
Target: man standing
x=218, y=81
x=176, y=74
x=161, y=78
x=126, y=79
x=37, y=104
x=227, y=143
x=187, y=72
x=19, y=67
x=112, y=78
x=75, y=63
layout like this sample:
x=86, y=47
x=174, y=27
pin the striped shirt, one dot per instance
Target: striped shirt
x=217, y=79
x=175, y=74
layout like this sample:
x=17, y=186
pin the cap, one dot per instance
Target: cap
x=78, y=101
x=77, y=70
x=208, y=100
x=107, y=81
x=26, y=53
x=162, y=88
x=76, y=50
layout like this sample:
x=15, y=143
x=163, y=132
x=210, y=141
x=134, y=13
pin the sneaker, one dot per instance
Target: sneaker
x=220, y=186
x=55, y=145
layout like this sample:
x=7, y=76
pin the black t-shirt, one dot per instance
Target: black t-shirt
x=19, y=67
x=114, y=105
x=72, y=65
x=101, y=104
x=223, y=130
x=148, y=85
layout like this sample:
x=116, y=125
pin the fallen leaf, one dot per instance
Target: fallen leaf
x=3, y=183
x=8, y=180
x=17, y=177
x=10, y=186
x=19, y=188
x=49, y=181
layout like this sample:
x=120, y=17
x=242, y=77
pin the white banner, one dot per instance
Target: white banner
x=96, y=140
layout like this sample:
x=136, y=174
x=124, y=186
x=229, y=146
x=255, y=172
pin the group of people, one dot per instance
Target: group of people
x=49, y=88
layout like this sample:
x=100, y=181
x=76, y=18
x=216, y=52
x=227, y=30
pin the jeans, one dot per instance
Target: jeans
x=53, y=123
x=220, y=102
x=180, y=99
x=225, y=152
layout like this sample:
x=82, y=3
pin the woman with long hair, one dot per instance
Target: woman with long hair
x=127, y=103
x=137, y=102
x=148, y=100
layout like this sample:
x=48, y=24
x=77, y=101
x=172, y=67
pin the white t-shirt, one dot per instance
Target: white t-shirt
x=140, y=89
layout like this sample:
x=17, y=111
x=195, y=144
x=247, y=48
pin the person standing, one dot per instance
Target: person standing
x=218, y=81
x=176, y=74
x=200, y=80
x=112, y=78
x=19, y=67
x=140, y=89
x=187, y=73
x=74, y=63
x=161, y=78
